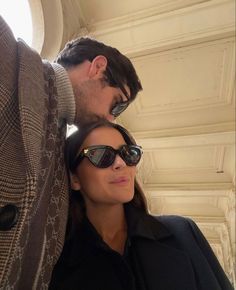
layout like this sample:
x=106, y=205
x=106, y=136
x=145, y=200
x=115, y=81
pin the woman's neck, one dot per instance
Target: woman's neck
x=110, y=223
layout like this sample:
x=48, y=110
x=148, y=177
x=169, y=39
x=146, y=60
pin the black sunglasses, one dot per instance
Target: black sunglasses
x=118, y=108
x=103, y=156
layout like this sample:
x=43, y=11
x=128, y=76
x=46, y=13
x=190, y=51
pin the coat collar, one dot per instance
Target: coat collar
x=144, y=225
x=139, y=224
x=158, y=257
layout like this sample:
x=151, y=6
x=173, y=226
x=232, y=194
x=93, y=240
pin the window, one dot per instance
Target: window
x=18, y=16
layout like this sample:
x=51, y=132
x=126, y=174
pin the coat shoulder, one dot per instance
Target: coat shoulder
x=170, y=219
x=188, y=237
x=184, y=230
x=176, y=224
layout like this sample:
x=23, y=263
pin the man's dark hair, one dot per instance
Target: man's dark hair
x=119, y=70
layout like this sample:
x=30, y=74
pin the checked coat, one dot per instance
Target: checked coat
x=32, y=171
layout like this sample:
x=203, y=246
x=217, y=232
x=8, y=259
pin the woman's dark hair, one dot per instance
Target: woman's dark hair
x=119, y=70
x=73, y=145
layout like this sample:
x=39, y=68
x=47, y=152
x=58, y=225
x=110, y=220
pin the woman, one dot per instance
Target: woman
x=112, y=242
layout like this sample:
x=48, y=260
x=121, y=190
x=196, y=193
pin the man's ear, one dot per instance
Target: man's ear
x=74, y=181
x=97, y=67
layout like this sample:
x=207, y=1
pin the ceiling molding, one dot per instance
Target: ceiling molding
x=188, y=186
x=73, y=20
x=215, y=73
x=191, y=204
x=193, y=193
x=37, y=24
x=53, y=28
x=97, y=17
x=184, y=131
x=226, y=252
x=223, y=138
x=168, y=30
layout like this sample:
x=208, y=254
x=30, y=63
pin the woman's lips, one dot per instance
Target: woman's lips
x=120, y=180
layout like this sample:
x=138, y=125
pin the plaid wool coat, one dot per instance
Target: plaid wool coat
x=32, y=170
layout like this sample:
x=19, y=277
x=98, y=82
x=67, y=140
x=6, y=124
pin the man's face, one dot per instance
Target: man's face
x=95, y=97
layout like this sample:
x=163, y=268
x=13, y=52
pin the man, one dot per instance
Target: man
x=37, y=101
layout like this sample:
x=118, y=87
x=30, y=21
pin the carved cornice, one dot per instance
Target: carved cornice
x=223, y=138
x=145, y=34
x=183, y=131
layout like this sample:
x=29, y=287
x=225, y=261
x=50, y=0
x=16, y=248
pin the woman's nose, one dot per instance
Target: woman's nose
x=118, y=163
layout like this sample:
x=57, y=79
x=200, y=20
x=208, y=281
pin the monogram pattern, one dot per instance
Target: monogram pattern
x=32, y=170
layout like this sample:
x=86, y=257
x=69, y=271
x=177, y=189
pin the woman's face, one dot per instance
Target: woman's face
x=111, y=185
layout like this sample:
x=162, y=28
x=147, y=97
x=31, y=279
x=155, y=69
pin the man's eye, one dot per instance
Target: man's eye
x=116, y=102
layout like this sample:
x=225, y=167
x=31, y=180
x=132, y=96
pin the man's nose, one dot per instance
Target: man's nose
x=110, y=118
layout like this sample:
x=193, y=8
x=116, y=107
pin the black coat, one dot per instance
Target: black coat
x=164, y=253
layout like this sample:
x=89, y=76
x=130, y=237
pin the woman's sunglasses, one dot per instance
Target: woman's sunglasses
x=103, y=156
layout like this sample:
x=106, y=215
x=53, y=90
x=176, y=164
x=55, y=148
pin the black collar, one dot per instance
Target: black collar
x=141, y=224
x=87, y=239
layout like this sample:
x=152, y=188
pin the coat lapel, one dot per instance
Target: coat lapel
x=154, y=249
x=164, y=266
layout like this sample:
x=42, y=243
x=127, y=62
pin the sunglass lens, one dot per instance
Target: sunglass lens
x=119, y=108
x=131, y=154
x=101, y=157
